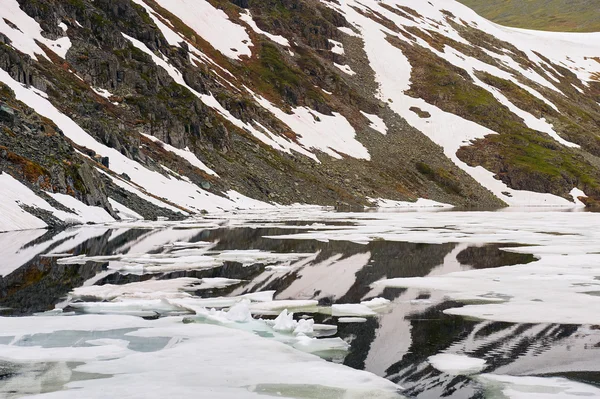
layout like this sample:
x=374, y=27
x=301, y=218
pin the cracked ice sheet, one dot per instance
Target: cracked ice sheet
x=255, y=365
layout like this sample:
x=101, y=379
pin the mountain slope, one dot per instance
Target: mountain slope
x=171, y=108
x=551, y=15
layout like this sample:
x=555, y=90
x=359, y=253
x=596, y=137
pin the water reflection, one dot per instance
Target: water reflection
x=395, y=344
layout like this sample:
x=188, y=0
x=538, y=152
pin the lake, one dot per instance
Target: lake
x=299, y=303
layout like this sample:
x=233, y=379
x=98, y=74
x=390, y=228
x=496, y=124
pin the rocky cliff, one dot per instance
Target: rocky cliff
x=145, y=108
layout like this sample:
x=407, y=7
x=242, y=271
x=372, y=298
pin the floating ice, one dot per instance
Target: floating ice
x=456, y=364
x=351, y=309
x=516, y=387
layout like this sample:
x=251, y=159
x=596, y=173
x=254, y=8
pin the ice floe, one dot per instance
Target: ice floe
x=457, y=364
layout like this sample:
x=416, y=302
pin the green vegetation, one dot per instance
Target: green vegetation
x=551, y=15
x=521, y=157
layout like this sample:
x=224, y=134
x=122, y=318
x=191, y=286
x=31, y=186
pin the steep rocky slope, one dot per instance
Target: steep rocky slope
x=147, y=108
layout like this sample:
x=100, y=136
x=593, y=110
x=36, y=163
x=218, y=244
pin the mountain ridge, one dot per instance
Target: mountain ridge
x=311, y=102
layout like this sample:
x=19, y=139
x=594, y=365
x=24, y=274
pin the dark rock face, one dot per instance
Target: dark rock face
x=142, y=99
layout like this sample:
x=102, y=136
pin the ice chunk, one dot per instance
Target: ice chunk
x=376, y=304
x=136, y=307
x=312, y=345
x=352, y=320
x=285, y=322
x=240, y=312
x=351, y=309
x=304, y=326
x=457, y=364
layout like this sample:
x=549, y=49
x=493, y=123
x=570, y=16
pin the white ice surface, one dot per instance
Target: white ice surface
x=351, y=309
x=255, y=365
x=149, y=289
x=456, y=364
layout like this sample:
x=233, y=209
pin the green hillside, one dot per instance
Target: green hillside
x=552, y=15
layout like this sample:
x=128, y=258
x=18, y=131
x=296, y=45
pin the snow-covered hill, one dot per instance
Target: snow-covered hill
x=175, y=107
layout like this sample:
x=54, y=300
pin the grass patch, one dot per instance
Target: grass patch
x=551, y=15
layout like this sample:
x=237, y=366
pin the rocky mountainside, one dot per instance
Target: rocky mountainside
x=165, y=108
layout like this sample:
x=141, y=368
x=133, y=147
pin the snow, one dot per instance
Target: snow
x=576, y=194
x=393, y=73
x=338, y=47
x=348, y=31
x=212, y=25
x=185, y=154
x=332, y=134
x=15, y=218
x=456, y=364
x=123, y=212
x=152, y=186
x=28, y=32
x=173, y=38
x=102, y=92
x=247, y=18
x=376, y=123
x=85, y=213
x=345, y=68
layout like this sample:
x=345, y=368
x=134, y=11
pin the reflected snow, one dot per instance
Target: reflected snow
x=453, y=304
